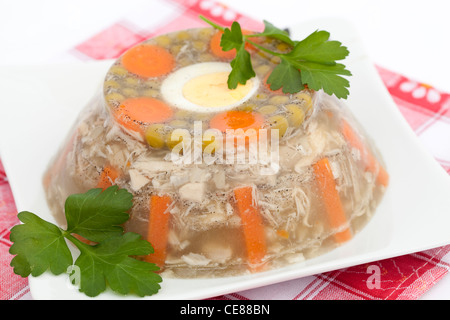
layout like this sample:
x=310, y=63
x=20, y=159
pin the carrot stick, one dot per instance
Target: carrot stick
x=107, y=177
x=142, y=110
x=372, y=165
x=148, y=61
x=252, y=225
x=158, y=228
x=330, y=196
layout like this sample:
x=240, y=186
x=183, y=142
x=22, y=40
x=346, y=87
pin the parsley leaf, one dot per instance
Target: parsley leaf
x=326, y=77
x=316, y=57
x=232, y=38
x=241, y=65
x=39, y=245
x=311, y=61
x=273, y=32
x=96, y=214
x=109, y=262
x=292, y=80
x=317, y=48
x=242, y=69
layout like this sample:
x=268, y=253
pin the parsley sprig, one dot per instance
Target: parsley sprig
x=96, y=215
x=311, y=63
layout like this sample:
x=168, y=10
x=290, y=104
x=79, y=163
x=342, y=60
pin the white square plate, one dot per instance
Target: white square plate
x=40, y=103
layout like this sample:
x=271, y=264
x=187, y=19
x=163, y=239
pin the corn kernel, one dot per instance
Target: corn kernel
x=268, y=109
x=209, y=142
x=305, y=100
x=261, y=96
x=283, y=47
x=296, y=115
x=173, y=140
x=163, y=41
x=279, y=100
x=183, y=35
x=199, y=46
x=118, y=70
x=114, y=97
x=130, y=81
x=275, y=60
x=205, y=33
x=248, y=107
x=130, y=92
x=155, y=136
x=279, y=122
x=176, y=49
x=111, y=84
x=262, y=70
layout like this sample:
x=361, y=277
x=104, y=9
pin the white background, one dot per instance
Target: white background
x=410, y=37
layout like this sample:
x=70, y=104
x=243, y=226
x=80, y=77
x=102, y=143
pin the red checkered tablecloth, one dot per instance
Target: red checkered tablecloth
x=425, y=108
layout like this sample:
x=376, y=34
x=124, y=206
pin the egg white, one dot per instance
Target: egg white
x=172, y=86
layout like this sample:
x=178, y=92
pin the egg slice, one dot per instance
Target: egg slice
x=203, y=87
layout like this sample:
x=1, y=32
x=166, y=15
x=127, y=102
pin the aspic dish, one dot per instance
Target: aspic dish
x=220, y=218
x=396, y=229
x=179, y=171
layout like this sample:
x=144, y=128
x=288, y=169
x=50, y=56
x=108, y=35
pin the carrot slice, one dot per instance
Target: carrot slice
x=148, y=61
x=249, y=122
x=237, y=119
x=216, y=49
x=372, y=165
x=330, y=196
x=252, y=224
x=158, y=228
x=107, y=177
x=134, y=112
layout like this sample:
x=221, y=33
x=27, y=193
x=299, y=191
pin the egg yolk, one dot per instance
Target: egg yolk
x=211, y=90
